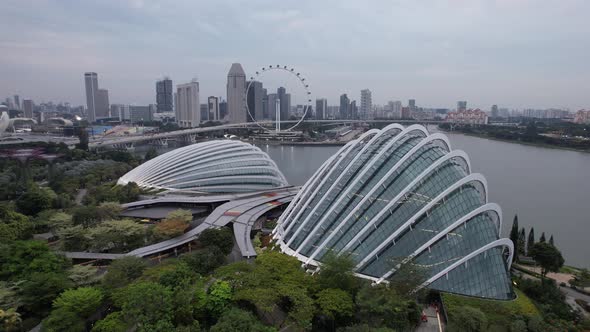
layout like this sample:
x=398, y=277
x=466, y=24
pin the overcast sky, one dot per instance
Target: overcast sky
x=514, y=53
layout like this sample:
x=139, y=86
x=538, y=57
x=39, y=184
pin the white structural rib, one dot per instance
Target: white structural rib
x=300, y=194
x=503, y=242
x=365, y=170
x=490, y=207
x=374, y=132
x=462, y=182
x=408, y=155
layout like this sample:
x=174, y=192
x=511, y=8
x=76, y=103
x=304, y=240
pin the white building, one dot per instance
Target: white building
x=236, y=89
x=188, y=108
x=366, y=105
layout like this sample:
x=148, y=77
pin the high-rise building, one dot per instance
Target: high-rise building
x=102, y=104
x=204, y=112
x=188, y=108
x=255, y=98
x=91, y=83
x=140, y=114
x=344, y=107
x=28, y=106
x=213, y=108
x=412, y=105
x=272, y=105
x=495, y=112
x=236, y=88
x=462, y=105
x=366, y=104
x=17, y=102
x=353, y=110
x=265, y=104
x=164, y=93
x=222, y=109
x=321, y=108
x=285, y=102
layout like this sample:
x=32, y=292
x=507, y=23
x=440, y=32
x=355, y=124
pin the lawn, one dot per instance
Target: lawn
x=499, y=313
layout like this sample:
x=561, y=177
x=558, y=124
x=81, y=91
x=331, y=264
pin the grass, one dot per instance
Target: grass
x=499, y=313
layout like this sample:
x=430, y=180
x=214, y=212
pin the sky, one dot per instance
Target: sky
x=514, y=53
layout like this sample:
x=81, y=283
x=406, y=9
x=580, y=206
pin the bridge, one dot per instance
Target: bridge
x=242, y=211
x=190, y=134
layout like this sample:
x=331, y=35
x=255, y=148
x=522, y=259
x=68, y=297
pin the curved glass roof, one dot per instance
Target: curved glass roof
x=221, y=166
x=401, y=196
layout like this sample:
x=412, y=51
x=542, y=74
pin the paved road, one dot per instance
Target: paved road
x=432, y=324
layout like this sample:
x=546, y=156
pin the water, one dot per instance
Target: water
x=549, y=189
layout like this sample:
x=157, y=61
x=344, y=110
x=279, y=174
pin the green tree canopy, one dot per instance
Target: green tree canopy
x=548, y=257
x=514, y=234
x=469, y=319
x=20, y=259
x=204, y=261
x=145, y=303
x=34, y=200
x=113, y=322
x=40, y=289
x=13, y=225
x=123, y=271
x=221, y=237
x=239, y=320
x=83, y=301
x=530, y=241
x=116, y=236
x=381, y=306
x=337, y=272
x=335, y=303
x=62, y=320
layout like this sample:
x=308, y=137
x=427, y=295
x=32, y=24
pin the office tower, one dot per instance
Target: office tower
x=461, y=105
x=140, y=114
x=265, y=104
x=406, y=113
x=28, y=106
x=17, y=102
x=272, y=105
x=91, y=82
x=213, y=108
x=321, y=107
x=102, y=104
x=285, y=102
x=188, y=108
x=164, y=91
x=222, y=109
x=344, y=106
x=495, y=111
x=366, y=104
x=236, y=88
x=255, y=97
x=353, y=111
x=412, y=105
x=204, y=109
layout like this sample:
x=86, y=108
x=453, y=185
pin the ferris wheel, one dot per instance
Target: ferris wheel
x=300, y=79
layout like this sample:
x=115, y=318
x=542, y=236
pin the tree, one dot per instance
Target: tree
x=335, y=303
x=83, y=138
x=548, y=257
x=239, y=320
x=10, y=320
x=174, y=225
x=150, y=154
x=531, y=241
x=83, y=301
x=34, y=200
x=145, y=303
x=113, y=322
x=62, y=320
x=468, y=319
x=380, y=305
x=20, y=259
x=74, y=238
x=82, y=275
x=522, y=242
x=337, y=272
x=219, y=297
x=222, y=238
x=116, y=236
x=59, y=220
x=13, y=225
x=542, y=238
x=123, y=271
x=514, y=234
x=551, y=242
x=41, y=289
x=204, y=261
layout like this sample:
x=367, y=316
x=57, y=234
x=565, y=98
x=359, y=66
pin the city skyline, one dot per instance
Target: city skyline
x=447, y=52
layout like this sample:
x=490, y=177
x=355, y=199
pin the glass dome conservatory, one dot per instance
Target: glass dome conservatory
x=400, y=197
x=222, y=166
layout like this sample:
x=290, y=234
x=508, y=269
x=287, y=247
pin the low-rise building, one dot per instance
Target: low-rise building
x=471, y=116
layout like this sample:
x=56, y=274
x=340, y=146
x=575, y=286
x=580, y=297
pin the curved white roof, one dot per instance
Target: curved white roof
x=222, y=166
x=4, y=122
x=401, y=196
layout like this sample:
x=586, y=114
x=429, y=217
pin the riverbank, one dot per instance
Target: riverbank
x=288, y=143
x=534, y=144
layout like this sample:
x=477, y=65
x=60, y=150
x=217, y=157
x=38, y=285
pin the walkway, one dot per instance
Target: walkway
x=433, y=324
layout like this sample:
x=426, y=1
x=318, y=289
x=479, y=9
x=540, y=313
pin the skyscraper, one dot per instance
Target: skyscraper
x=265, y=104
x=213, y=103
x=102, y=104
x=344, y=107
x=495, y=111
x=188, y=108
x=222, y=109
x=17, y=102
x=353, y=111
x=412, y=105
x=461, y=105
x=272, y=105
x=91, y=82
x=28, y=106
x=321, y=107
x=366, y=104
x=255, y=98
x=285, y=102
x=236, y=88
x=164, y=91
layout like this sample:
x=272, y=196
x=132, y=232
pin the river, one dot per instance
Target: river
x=549, y=189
